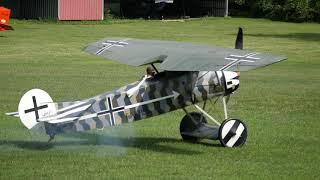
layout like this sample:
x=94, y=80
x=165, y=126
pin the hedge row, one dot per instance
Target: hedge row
x=287, y=10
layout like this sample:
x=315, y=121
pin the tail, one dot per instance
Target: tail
x=239, y=40
x=35, y=104
x=37, y=111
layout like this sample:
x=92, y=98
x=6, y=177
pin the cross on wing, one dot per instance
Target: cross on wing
x=109, y=44
x=237, y=59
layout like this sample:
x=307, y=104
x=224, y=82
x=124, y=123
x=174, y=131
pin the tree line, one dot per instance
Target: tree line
x=285, y=10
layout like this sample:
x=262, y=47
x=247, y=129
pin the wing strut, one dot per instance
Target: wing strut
x=154, y=67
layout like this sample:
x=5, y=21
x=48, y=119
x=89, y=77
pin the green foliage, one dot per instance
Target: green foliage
x=315, y=10
x=289, y=10
x=296, y=10
x=239, y=2
x=286, y=10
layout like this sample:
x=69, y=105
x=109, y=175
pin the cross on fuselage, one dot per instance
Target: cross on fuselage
x=110, y=111
x=35, y=108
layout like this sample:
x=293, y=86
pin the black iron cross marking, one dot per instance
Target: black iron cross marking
x=35, y=108
x=111, y=111
x=109, y=44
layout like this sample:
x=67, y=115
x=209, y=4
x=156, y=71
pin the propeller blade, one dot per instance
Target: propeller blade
x=239, y=40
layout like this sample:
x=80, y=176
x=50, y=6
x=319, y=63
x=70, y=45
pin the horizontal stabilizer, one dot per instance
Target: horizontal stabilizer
x=64, y=120
x=54, y=120
x=15, y=114
x=66, y=114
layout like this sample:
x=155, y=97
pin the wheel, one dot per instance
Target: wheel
x=232, y=133
x=187, y=125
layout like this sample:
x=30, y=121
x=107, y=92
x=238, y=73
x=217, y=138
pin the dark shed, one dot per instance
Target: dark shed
x=74, y=9
x=33, y=9
x=213, y=7
x=14, y=5
x=179, y=8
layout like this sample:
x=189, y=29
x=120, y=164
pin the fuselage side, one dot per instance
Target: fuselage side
x=165, y=92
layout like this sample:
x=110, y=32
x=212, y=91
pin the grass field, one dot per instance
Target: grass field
x=280, y=104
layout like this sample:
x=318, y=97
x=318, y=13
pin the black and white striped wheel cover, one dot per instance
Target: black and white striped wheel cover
x=232, y=133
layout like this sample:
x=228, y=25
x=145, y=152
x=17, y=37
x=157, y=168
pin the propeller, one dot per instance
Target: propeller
x=238, y=45
x=239, y=40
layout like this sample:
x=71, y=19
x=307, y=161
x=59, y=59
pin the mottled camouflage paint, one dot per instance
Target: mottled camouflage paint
x=193, y=87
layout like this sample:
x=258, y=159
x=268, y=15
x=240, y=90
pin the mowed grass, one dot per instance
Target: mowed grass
x=280, y=104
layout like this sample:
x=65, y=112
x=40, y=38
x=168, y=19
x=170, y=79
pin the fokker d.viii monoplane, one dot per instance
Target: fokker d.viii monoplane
x=190, y=74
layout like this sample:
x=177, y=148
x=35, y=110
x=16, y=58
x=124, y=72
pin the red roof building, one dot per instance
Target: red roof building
x=56, y=9
x=80, y=9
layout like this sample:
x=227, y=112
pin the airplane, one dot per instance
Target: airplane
x=190, y=74
x=4, y=19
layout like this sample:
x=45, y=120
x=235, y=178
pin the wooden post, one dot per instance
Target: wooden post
x=227, y=9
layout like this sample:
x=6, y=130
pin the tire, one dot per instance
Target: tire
x=187, y=125
x=233, y=133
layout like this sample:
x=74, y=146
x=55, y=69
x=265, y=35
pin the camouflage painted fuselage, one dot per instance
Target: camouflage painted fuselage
x=167, y=91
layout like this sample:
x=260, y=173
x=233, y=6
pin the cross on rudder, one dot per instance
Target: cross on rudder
x=34, y=105
x=35, y=108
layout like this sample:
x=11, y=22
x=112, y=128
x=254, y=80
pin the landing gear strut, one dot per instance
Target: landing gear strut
x=194, y=127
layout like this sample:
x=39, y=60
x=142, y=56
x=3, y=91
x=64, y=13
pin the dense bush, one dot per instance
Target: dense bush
x=287, y=10
x=315, y=10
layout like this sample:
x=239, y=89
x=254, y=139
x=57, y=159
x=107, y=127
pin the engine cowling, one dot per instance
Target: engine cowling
x=232, y=81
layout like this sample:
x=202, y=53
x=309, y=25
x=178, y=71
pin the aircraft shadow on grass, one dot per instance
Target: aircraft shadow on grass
x=143, y=143
x=298, y=36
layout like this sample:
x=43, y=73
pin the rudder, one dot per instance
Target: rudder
x=33, y=105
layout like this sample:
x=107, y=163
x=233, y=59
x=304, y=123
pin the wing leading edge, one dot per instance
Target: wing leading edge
x=177, y=56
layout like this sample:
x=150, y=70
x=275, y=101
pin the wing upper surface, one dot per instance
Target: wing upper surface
x=178, y=56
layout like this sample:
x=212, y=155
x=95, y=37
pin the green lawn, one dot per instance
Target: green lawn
x=280, y=104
